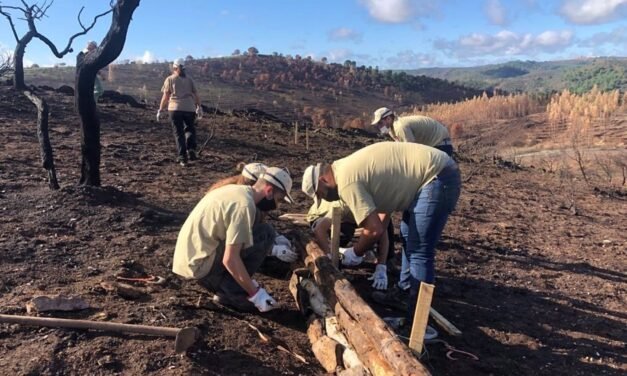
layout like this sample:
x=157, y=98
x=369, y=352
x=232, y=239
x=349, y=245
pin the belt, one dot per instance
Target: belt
x=446, y=141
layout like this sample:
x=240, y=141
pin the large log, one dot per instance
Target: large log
x=335, y=287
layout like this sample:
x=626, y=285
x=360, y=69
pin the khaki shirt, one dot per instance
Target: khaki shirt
x=419, y=129
x=324, y=210
x=385, y=177
x=224, y=216
x=181, y=91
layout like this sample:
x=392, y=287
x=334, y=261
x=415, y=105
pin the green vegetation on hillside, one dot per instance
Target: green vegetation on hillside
x=604, y=75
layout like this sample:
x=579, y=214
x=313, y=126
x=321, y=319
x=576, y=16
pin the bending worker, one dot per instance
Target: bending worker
x=415, y=128
x=220, y=246
x=420, y=181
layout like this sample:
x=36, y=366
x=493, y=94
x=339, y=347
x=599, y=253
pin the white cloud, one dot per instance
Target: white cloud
x=617, y=37
x=147, y=58
x=339, y=55
x=506, y=43
x=344, y=33
x=399, y=11
x=496, y=12
x=588, y=12
x=409, y=59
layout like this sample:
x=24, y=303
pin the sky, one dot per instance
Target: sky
x=389, y=34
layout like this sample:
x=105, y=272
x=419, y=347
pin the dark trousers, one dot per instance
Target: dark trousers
x=220, y=280
x=184, y=127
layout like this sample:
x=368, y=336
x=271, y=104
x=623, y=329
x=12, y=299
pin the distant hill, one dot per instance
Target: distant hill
x=531, y=76
x=290, y=88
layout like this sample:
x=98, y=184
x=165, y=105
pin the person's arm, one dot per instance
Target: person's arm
x=235, y=266
x=372, y=231
x=321, y=233
x=164, y=101
x=195, y=94
x=384, y=241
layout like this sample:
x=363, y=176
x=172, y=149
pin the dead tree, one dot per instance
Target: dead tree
x=6, y=65
x=31, y=14
x=47, y=159
x=87, y=67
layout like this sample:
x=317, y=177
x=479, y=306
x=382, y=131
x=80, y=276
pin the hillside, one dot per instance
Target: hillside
x=291, y=88
x=532, y=76
x=528, y=268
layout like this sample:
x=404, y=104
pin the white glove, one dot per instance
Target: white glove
x=158, y=114
x=199, y=112
x=280, y=239
x=349, y=258
x=262, y=300
x=380, y=277
x=284, y=253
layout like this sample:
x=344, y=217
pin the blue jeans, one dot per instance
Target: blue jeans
x=422, y=226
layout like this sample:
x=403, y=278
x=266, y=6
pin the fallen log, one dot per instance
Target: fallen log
x=358, y=320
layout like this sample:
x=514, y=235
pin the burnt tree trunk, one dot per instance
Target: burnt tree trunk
x=87, y=66
x=18, y=62
x=45, y=150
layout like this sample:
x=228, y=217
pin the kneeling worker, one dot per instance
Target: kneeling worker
x=220, y=246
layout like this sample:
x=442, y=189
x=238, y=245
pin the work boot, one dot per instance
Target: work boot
x=238, y=302
x=192, y=155
x=394, y=298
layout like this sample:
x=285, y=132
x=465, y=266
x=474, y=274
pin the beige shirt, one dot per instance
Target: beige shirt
x=324, y=210
x=224, y=216
x=181, y=91
x=419, y=129
x=385, y=177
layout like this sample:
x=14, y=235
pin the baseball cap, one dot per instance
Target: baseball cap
x=310, y=180
x=381, y=113
x=253, y=171
x=178, y=63
x=280, y=178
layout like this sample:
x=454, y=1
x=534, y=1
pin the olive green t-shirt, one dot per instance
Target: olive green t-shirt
x=181, y=91
x=385, y=177
x=419, y=129
x=224, y=216
x=324, y=210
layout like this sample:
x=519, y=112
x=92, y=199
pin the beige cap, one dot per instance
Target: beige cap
x=280, y=178
x=253, y=171
x=310, y=180
x=381, y=113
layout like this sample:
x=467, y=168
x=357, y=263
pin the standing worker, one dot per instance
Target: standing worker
x=98, y=89
x=422, y=182
x=183, y=103
x=220, y=246
x=415, y=128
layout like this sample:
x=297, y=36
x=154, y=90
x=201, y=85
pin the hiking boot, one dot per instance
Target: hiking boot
x=192, y=155
x=238, y=302
x=394, y=298
x=183, y=163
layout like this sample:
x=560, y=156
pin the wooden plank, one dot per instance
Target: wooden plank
x=421, y=316
x=444, y=323
x=295, y=218
x=336, y=222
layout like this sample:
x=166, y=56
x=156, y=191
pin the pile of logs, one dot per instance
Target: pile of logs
x=347, y=336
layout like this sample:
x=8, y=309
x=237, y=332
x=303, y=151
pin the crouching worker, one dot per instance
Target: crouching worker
x=220, y=246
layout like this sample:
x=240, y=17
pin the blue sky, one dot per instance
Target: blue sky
x=385, y=33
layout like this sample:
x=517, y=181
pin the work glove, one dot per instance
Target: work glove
x=158, y=114
x=349, y=258
x=199, y=112
x=262, y=300
x=380, y=277
x=284, y=253
x=280, y=239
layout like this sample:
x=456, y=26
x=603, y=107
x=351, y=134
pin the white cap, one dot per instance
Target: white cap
x=381, y=113
x=178, y=63
x=310, y=180
x=280, y=178
x=253, y=171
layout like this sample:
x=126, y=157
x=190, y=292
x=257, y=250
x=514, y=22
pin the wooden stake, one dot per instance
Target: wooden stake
x=296, y=133
x=336, y=218
x=444, y=323
x=421, y=315
x=306, y=138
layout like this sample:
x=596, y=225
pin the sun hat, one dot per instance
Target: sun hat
x=381, y=113
x=178, y=63
x=254, y=170
x=310, y=180
x=280, y=178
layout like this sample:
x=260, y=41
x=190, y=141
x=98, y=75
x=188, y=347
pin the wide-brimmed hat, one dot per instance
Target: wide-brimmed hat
x=381, y=113
x=253, y=171
x=310, y=180
x=178, y=63
x=280, y=178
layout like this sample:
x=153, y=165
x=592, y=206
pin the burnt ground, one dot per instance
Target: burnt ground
x=532, y=270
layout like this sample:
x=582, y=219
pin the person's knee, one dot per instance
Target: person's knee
x=263, y=232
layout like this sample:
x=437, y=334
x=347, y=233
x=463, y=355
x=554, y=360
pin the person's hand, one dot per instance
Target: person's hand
x=262, y=300
x=284, y=253
x=158, y=114
x=380, y=277
x=349, y=258
x=199, y=112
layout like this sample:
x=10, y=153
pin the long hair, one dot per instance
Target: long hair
x=236, y=179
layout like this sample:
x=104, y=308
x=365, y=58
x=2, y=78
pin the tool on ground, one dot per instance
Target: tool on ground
x=212, y=132
x=151, y=279
x=184, y=337
x=452, y=350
